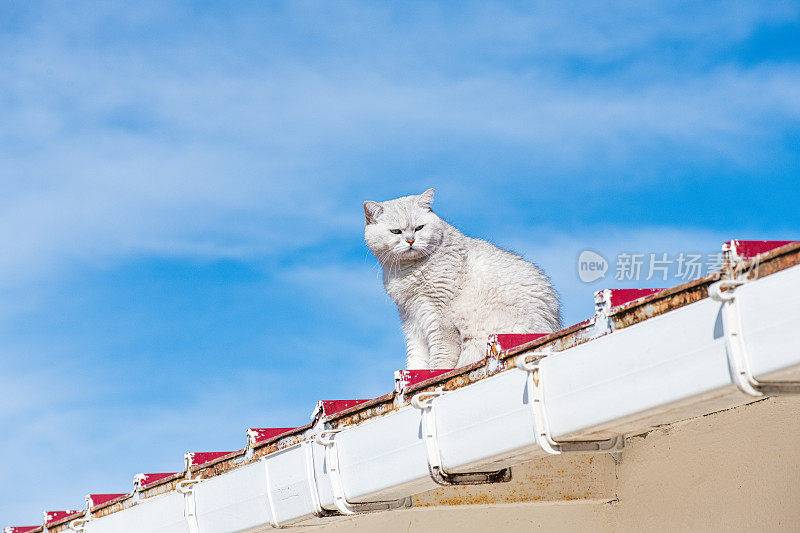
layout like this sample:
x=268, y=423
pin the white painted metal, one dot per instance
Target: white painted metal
x=769, y=311
x=234, y=501
x=669, y=358
x=291, y=493
x=655, y=372
x=185, y=487
x=158, y=514
x=327, y=439
x=537, y=380
x=438, y=472
x=732, y=330
x=485, y=423
x=423, y=402
x=384, y=458
x=319, y=467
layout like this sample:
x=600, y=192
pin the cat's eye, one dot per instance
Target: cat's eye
x=396, y=231
x=419, y=227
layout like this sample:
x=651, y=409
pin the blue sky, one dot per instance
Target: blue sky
x=181, y=189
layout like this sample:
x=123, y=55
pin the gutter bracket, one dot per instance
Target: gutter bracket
x=186, y=487
x=327, y=439
x=541, y=427
x=735, y=346
x=423, y=402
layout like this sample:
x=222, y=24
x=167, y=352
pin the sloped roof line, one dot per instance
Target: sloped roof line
x=347, y=413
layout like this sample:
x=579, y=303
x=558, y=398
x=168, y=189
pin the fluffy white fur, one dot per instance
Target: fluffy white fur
x=452, y=291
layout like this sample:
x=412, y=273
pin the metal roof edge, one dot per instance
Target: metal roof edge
x=621, y=317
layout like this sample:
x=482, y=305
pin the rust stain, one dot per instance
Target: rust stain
x=546, y=479
x=624, y=316
x=277, y=445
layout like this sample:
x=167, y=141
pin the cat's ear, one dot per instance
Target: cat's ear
x=426, y=199
x=372, y=211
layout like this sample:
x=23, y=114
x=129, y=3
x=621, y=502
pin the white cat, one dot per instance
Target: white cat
x=452, y=291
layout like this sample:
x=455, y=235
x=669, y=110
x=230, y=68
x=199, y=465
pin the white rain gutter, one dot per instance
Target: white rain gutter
x=680, y=364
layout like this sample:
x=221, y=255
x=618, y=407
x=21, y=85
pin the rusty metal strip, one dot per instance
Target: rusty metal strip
x=623, y=316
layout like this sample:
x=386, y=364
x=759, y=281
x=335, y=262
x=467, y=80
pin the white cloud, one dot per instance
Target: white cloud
x=241, y=158
x=156, y=132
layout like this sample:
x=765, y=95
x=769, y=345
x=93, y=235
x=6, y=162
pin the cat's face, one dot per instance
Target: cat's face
x=404, y=229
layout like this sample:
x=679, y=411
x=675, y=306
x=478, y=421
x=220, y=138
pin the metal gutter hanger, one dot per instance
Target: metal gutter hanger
x=186, y=487
x=530, y=364
x=424, y=402
x=736, y=348
x=327, y=439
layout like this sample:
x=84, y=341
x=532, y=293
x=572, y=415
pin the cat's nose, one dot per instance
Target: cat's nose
x=410, y=241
